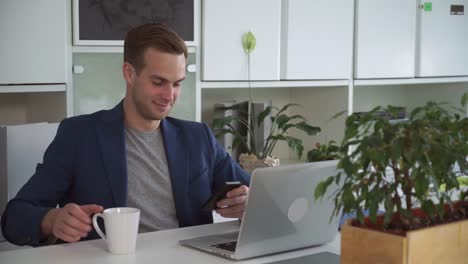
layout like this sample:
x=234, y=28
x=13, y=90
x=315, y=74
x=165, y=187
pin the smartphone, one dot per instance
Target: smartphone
x=219, y=194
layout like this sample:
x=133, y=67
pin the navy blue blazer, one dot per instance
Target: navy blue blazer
x=86, y=164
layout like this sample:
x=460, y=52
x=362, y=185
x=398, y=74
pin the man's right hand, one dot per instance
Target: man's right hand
x=69, y=223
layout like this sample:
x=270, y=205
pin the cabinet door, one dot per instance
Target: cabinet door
x=385, y=39
x=442, y=48
x=316, y=41
x=101, y=23
x=224, y=24
x=33, y=41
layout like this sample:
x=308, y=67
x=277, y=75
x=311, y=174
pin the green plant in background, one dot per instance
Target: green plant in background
x=421, y=154
x=321, y=152
x=281, y=123
x=249, y=42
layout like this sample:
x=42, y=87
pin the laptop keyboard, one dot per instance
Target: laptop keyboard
x=229, y=246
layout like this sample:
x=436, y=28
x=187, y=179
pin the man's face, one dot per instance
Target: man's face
x=156, y=87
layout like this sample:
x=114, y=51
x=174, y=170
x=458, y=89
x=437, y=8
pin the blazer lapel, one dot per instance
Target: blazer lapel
x=178, y=161
x=112, y=145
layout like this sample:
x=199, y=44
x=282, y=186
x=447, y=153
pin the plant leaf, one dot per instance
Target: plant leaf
x=285, y=107
x=296, y=145
x=223, y=131
x=236, y=142
x=338, y=114
x=388, y=218
x=221, y=122
x=281, y=121
x=322, y=187
x=464, y=100
x=310, y=130
x=428, y=207
x=313, y=155
x=263, y=115
x=249, y=42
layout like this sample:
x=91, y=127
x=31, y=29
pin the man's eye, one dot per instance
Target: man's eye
x=157, y=83
x=176, y=84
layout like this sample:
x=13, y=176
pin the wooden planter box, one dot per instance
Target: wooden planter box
x=447, y=244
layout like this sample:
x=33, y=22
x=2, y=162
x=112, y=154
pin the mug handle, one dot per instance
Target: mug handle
x=96, y=226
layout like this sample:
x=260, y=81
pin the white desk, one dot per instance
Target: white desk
x=155, y=247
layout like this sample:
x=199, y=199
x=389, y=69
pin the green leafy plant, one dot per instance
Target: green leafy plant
x=462, y=181
x=401, y=165
x=321, y=152
x=281, y=123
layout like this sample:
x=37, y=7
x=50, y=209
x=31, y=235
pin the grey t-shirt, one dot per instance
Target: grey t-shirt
x=149, y=182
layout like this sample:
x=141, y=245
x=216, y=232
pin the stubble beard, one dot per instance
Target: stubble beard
x=144, y=110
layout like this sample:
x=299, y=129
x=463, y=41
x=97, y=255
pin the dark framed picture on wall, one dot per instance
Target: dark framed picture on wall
x=105, y=22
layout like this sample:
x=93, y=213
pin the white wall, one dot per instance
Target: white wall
x=410, y=96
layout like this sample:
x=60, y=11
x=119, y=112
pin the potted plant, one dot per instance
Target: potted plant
x=281, y=124
x=259, y=154
x=323, y=152
x=399, y=167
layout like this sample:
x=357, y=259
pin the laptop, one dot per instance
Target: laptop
x=281, y=214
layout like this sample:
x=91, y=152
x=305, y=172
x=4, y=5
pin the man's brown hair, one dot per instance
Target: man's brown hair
x=156, y=36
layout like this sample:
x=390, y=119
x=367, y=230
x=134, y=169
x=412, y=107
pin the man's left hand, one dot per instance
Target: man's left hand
x=234, y=204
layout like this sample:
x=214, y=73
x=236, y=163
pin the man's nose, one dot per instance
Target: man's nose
x=168, y=93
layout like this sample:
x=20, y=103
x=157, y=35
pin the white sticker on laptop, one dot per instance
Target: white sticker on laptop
x=298, y=209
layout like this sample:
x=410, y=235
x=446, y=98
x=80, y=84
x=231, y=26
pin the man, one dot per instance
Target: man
x=133, y=155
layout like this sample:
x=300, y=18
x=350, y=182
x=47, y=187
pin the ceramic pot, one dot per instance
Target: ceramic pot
x=250, y=162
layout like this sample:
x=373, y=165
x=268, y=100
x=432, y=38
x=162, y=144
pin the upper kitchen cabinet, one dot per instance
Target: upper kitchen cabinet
x=442, y=43
x=33, y=42
x=224, y=22
x=105, y=23
x=385, y=39
x=317, y=39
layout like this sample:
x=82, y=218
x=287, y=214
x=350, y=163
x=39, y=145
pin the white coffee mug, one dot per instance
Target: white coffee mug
x=121, y=225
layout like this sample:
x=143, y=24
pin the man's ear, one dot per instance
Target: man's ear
x=129, y=73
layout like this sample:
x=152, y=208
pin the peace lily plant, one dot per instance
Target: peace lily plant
x=281, y=123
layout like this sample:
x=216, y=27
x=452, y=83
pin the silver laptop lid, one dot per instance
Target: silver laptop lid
x=281, y=213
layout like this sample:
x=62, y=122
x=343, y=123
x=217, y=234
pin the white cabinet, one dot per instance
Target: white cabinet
x=33, y=41
x=385, y=39
x=442, y=39
x=224, y=24
x=316, y=41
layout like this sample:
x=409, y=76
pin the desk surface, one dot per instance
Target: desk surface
x=155, y=247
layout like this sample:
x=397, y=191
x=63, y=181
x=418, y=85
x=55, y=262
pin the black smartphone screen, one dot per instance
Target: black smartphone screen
x=219, y=194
